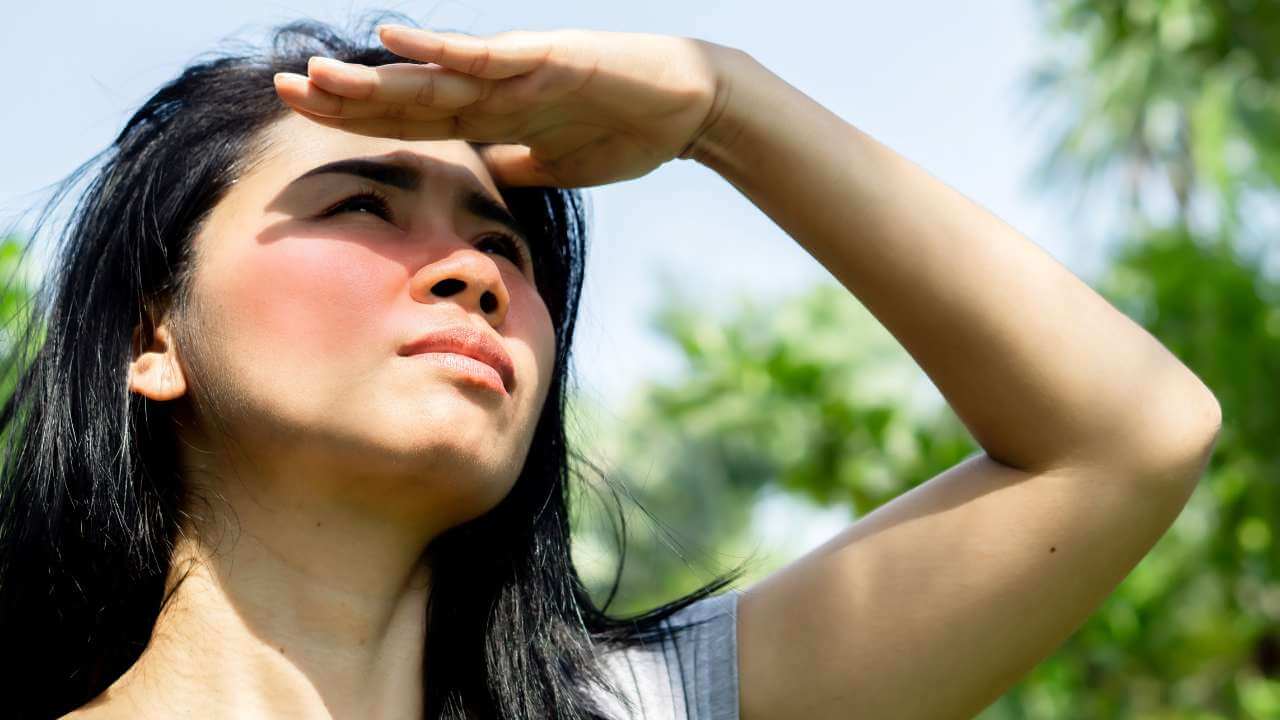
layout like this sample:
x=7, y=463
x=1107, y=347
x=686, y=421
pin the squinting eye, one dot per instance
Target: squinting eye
x=375, y=203
x=372, y=202
x=510, y=246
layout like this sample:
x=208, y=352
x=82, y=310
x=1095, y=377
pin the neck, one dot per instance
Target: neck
x=289, y=607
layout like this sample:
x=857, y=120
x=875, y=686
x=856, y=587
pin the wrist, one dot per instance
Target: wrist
x=721, y=131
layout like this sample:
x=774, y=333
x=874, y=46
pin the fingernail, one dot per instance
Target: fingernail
x=391, y=27
x=323, y=61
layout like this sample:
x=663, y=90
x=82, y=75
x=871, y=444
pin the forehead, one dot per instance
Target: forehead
x=294, y=145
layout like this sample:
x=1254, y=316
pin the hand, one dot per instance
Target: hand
x=565, y=108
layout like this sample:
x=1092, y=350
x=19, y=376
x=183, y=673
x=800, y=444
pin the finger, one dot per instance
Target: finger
x=298, y=92
x=398, y=83
x=453, y=127
x=398, y=128
x=499, y=56
x=529, y=91
x=515, y=166
x=303, y=95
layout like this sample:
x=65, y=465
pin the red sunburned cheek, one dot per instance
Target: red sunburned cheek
x=307, y=299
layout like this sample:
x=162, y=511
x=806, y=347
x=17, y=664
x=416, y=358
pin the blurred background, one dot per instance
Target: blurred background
x=749, y=404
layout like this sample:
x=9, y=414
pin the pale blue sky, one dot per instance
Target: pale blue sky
x=935, y=80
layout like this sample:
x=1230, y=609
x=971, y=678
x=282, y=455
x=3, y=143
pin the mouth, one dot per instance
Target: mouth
x=473, y=371
x=469, y=353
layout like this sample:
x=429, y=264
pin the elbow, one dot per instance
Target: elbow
x=1179, y=436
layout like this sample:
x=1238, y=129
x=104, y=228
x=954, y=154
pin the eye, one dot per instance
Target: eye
x=373, y=202
x=370, y=201
x=511, y=246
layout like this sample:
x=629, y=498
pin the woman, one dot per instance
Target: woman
x=332, y=442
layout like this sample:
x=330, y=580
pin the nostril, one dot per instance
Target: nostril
x=452, y=286
x=445, y=288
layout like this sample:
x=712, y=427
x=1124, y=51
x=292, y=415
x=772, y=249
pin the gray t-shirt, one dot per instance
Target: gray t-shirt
x=693, y=676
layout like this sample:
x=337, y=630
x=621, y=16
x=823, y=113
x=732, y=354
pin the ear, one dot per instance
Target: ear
x=155, y=371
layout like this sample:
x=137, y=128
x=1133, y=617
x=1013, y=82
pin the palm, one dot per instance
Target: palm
x=570, y=108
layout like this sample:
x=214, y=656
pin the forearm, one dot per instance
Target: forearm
x=1040, y=368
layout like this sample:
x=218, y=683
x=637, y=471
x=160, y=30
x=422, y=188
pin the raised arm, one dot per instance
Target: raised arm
x=1093, y=433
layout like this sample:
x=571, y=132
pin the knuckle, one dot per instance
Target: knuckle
x=427, y=91
x=480, y=62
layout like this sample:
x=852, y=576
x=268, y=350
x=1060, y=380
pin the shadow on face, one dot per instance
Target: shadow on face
x=330, y=255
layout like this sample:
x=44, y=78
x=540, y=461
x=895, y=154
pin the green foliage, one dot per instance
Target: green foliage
x=808, y=397
x=15, y=299
x=1185, y=92
x=815, y=391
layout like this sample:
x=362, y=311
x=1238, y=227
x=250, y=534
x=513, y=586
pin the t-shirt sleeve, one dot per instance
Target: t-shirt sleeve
x=691, y=676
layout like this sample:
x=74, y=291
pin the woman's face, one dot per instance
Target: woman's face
x=305, y=306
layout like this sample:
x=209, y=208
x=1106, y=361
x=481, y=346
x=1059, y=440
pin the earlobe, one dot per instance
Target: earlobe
x=155, y=372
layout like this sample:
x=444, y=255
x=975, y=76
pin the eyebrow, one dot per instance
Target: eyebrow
x=407, y=177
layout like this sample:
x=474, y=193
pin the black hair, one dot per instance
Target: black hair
x=91, y=493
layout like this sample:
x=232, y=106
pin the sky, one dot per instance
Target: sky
x=935, y=80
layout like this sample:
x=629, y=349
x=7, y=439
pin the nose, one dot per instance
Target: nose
x=468, y=277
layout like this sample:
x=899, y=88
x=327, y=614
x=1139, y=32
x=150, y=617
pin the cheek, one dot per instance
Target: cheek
x=316, y=298
x=539, y=335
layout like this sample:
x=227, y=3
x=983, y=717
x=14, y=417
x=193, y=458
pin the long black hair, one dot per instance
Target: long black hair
x=91, y=493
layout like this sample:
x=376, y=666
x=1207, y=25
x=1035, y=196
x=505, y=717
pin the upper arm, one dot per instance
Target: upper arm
x=936, y=603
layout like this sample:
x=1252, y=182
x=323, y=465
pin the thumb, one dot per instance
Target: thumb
x=514, y=165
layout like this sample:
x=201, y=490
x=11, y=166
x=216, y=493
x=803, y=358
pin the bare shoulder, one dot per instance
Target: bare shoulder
x=934, y=605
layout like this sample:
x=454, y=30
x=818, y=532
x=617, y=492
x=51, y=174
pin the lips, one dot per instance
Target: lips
x=466, y=341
